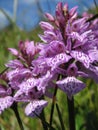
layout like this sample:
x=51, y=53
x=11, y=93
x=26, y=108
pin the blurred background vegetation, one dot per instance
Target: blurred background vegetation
x=86, y=102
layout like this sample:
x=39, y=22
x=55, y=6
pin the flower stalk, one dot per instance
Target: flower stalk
x=71, y=113
x=60, y=117
x=53, y=103
x=15, y=109
x=42, y=115
x=52, y=107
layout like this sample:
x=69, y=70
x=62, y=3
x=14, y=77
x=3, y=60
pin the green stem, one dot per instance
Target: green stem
x=60, y=117
x=3, y=71
x=52, y=107
x=71, y=113
x=42, y=115
x=44, y=122
x=96, y=5
x=14, y=108
x=92, y=18
x=53, y=103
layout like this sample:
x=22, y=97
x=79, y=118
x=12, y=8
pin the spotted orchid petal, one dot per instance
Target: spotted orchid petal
x=70, y=86
x=35, y=107
x=55, y=47
x=14, y=64
x=17, y=76
x=17, y=72
x=82, y=57
x=80, y=24
x=76, y=35
x=26, y=86
x=93, y=54
x=30, y=48
x=92, y=72
x=5, y=103
x=5, y=91
x=72, y=70
x=81, y=37
x=73, y=11
x=49, y=17
x=46, y=26
x=43, y=82
x=13, y=51
x=58, y=60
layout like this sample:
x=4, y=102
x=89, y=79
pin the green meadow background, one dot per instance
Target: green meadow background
x=86, y=102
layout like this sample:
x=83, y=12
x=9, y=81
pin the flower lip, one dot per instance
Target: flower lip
x=70, y=86
x=35, y=107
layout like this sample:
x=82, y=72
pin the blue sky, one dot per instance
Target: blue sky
x=28, y=14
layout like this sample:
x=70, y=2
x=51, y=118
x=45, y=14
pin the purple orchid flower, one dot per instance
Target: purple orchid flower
x=70, y=50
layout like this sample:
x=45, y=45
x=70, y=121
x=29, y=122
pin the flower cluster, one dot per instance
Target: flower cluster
x=69, y=49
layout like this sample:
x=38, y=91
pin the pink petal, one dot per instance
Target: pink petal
x=70, y=86
x=82, y=57
x=14, y=64
x=35, y=107
x=13, y=51
x=5, y=103
x=46, y=26
x=58, y=60
x=26, y=86
x=49, y=17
